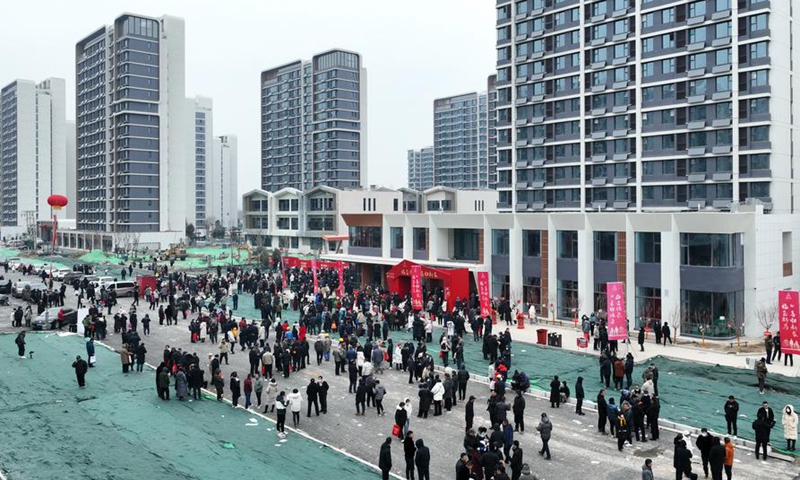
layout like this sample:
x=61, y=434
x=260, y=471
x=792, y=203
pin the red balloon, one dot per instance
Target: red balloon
x=57, y=201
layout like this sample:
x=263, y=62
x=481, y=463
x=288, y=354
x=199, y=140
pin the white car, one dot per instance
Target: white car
x=59, y=274
x=102, y=281
x=13, y=262
x=19, y=287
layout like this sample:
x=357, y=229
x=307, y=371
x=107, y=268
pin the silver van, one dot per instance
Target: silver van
x=123, y=289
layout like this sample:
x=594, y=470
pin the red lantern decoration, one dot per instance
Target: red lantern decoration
x=57, y=201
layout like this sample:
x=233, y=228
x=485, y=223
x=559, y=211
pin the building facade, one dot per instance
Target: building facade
x=34, y=162
x=134, y=128
x=420, y=168
x=647, y=105
x=223, y=181
x=314, y=123
x=203, y=144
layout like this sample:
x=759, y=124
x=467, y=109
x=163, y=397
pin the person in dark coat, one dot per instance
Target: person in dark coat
x=462, y=467
x=682, y=460
x=716, y=458
x=579, y=396
x=425, y=400
x=653, y=412
x=516, y=461
x=555, y=393
x=762, y=428
x=641, y=339
x=236, y=390
x=81, y=367
x=423, y=461
x=704, y=442
x=385, y=458
x=469, y=412
x=732, y=415
x=519, y=412
x=409, y=450
x=489, y=461
x=312, y=391
x=140, y=353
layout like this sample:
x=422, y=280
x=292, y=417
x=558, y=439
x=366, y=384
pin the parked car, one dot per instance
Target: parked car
x=28, y=290
x=70, y=277
x=13, y=262
x=123, y=289
x=60, y=273
x=19, y=287
x=56, y=317
x=101, y=281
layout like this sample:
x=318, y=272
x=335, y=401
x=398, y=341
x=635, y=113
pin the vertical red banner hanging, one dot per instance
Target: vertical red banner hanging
x=416, y=287
x=283, y=275
x=788, y=312
x=340, y=267
x=484, y=297
x=615, y=311
x=314, y=274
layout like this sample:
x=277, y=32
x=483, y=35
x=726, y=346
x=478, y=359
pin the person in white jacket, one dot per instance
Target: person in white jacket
x=296, y=404
x=790, y=427
x=438, y=396
x=397, y=358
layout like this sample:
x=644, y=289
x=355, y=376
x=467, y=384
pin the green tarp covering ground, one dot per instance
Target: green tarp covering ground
x=117, y=428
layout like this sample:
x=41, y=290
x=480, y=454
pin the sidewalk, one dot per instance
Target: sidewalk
x=679, y=351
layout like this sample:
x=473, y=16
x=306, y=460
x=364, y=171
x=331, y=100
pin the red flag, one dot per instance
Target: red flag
x=416, y=287
x=484, y=297
x=314, y=274
x=340, y=267
x=615, y=311
x=788, y=313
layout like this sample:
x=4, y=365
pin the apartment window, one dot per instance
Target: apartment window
x=723, y=110
x=621, y=27
x=605, y=246
x=396, y=235
x=758, y=22
x=708, y=249
x=723, y=57
x=667, y=16
x=465, y=244
x=522, y=7
x=668, y=116
x=699, y=192
x=724, y=137
x=531, y=243
x=668, y=192
x=668, y=91
x=697, y=113
x=648, y=20
x=599, y=8
x=648, y=45
x=648, y=304
x=648, y=247
x=668, y=66
x=648, y=69
x=723, y=83
x=532, y=292
x=568, y=302
x=722, y=5
x=697, y=139
x=711, y=311
x=568, y=244
x=367, y=237
x=759, y=161
x=500, y=242
x=648, y=144
x=697, y=35
x=758, y=50
x=722, y=30
x=724, y=191
x=667, y=142
x=697, y=9
x=759, y=134
x=759, y=106
x=759, y=190
x=724, y=164
x=420, y=238
x=697, y=60
x=697, y=87
x=759, y=78
x=668, y=41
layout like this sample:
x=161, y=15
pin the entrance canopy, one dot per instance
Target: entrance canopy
x=455, y=282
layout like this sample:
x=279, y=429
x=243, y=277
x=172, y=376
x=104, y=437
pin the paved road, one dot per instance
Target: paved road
x=578, y=450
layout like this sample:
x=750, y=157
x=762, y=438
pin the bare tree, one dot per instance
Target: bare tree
x=676, y=318
x=767, y=315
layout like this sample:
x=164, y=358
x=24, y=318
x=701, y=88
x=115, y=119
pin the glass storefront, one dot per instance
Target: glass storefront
x=712, y=311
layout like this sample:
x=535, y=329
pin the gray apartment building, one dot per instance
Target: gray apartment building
x=420, y=169
x=314, y=123
x=134, y=127
x=645, y=105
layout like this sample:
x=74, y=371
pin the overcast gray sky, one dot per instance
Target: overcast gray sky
x=414, y=51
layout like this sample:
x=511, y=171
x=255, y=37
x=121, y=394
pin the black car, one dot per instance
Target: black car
x=55, y=317
x=5, y=289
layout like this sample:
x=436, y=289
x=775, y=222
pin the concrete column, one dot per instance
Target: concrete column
x=586, y=269
x=386, y=238
x=408, y=241
x=630, y=273
x=671, y=276
x=515, y=275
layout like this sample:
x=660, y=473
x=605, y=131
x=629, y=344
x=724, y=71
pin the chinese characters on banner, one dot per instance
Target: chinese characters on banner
x=314, y=274
x=416, y=287
x=615, y=311
x=340, y=267
x=483, y=294
x=788, y=312
x=283, y=275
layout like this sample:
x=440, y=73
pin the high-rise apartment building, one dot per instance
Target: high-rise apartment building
x=314, y=123
x=642, y=105
x=203, y=142
x=420, y=168
x=33, y=149
x=222, y=187
x=134, y=128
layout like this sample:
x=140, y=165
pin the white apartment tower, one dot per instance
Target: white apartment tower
x=33, y=149
x=134, y=130
x=203, y=142
x=222, y=182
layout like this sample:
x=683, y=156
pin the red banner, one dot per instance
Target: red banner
x=314, y=274
x=416, y=287
x=283, y=275
x=788, y=312
x=615, y=311
x=340, y=267
x=302, y=264
x=484, y=295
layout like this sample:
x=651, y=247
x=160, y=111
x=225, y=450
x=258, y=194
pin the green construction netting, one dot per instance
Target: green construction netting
x=118, y=428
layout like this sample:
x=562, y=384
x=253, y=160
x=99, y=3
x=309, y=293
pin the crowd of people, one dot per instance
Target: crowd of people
x=353, y=331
